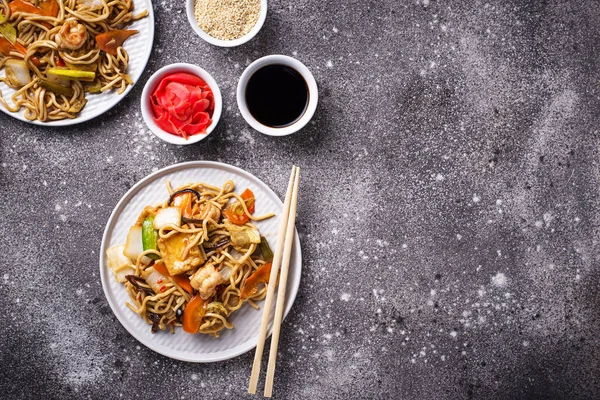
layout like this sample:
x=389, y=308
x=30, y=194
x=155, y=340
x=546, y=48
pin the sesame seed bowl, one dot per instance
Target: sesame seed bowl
x=226, y=23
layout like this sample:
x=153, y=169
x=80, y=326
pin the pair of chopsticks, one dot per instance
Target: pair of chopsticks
x=285, y=238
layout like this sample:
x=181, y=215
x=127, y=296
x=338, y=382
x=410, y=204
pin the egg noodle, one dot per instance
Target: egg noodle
x=55, y=42
x=232, y=268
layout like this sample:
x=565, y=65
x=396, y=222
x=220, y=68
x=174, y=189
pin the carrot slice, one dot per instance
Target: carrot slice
x=184, y=201
x=110, y=41
x=24, y=6
x=6, y=47
x=49, y=8
x=181, y=280
x=248, y=197
x=261, y=275
x=193, y=313
x=235, y=212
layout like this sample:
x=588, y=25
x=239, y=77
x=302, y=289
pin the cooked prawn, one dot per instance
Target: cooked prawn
x=72, y=35
x=205, y=280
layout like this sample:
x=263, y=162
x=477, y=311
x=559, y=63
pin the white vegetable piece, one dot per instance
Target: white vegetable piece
x=154, y=278
x=90, y=4
x=225, y=272
x=59, y=80
x=146, y=260
x=242, y=236
x=133, y=245
x=17, y=73
x=118, y=263
x=167, y=216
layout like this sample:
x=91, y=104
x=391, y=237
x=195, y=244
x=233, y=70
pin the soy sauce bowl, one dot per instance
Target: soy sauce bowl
x=151, y=85
x=313, y=95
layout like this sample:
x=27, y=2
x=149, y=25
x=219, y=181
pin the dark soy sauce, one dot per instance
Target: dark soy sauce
x=277, y=95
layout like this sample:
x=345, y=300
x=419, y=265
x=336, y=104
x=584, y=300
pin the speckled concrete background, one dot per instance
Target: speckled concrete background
x=448, y=212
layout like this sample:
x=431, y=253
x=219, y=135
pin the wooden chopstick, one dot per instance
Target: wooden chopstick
x=280, y=303
x=262, y=333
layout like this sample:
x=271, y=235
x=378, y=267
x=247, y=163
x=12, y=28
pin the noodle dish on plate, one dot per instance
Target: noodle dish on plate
x=195, y=259
x=59, y=57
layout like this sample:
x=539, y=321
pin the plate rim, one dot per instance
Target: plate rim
x=78, y=120
x=139, y=185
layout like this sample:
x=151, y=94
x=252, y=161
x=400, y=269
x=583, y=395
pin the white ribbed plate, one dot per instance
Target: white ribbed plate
x=152, y=190
x=138, y=47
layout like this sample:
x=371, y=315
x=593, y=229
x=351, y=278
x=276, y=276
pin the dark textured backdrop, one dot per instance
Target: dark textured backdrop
x=448, y=212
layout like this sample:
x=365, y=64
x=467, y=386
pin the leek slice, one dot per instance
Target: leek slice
x=56, y=88
x=8, y=31
x=72, y=74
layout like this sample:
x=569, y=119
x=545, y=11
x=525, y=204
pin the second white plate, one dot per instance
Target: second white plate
x=138, y=47
x=152, y=190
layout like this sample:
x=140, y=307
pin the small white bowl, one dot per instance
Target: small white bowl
x=154, y=80
x=313, y=94
x=226, y=43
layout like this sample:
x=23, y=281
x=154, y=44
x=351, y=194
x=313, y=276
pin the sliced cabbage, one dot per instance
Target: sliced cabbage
x=154, y=278
x=118, y=263
x=236, y=255
x=167, y=216
x=89, y=4
x=17, y=73
x=242, y=236
x=225, y=272
x=133, y=245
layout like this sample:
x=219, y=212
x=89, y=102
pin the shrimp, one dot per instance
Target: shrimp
x=205, y=280
x=72, y=35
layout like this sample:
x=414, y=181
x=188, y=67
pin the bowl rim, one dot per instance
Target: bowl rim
x=313, y=94
x=147, y=110
x=226, y=43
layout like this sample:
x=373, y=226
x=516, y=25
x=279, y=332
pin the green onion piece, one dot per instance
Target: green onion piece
x=72, y=74
x=149, y=237
x=266, y=250
x=56, y=88
x=82, y=67
x=93, y=87
x=8, y=31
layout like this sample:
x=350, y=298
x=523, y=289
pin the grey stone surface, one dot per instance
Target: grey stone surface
x=448, y=212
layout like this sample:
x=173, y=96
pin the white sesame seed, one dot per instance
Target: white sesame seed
x=226, y=19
